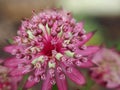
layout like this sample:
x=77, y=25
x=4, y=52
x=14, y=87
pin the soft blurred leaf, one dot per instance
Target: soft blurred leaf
x=91, y=24
x=23, y=82
x=10, y=41
x=55, y=87
x=89, y=83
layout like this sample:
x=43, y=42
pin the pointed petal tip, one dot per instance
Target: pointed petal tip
x=94, y=31
x=87, y=64
x=89, y=51
x=29, y=84
x=82, y=22
x=90, y=34
x=9, y=48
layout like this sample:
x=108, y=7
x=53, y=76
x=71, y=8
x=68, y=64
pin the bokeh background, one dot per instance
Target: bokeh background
x=100, y=15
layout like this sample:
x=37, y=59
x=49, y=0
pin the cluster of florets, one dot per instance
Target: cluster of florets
x=107, y=70
x=49, y=46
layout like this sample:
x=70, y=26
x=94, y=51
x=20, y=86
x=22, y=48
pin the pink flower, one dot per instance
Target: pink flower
x=107, y=71
x=7, y=82
x=49, y=47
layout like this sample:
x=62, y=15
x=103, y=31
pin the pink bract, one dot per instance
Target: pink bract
x=49, y=46
x=107, y=70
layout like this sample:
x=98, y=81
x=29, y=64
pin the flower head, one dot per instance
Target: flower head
x=49, y=46
x=7, y=82
x=107, y=71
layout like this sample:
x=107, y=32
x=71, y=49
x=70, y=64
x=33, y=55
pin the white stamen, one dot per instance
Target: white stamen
x=58, y=56
x=51, y=64
x=30, y=35
x=69, y=53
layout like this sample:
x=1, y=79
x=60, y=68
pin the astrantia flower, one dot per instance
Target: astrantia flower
x=50, y=46
x=107, y=71
x=7, y=82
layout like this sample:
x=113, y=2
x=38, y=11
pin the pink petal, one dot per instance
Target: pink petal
x=80, y=25
x=16, y=78
x=86, y=64
x=97, y=57
x=88, y=37
x=9, y=48
x=88, y=51
x=20, y=71
x=13, y=62
x=74, y=75
x=46, y=84
x=15, y=81
x=61, y=83
x=30, y=84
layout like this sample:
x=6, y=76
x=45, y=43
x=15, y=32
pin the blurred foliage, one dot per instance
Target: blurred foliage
x=22, y=83
x=113, y=44
x=55, y=87
x=89, y=83
x=10, y=41
x=91, y=24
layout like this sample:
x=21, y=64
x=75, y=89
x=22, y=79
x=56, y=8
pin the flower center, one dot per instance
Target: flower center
x=48, y=36
x=50, y=45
